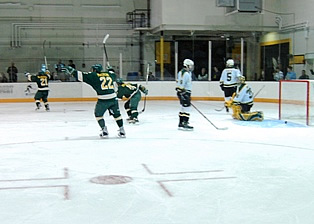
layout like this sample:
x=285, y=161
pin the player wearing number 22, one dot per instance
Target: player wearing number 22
x=41, y=79
x=241, y=103
x=104, y=83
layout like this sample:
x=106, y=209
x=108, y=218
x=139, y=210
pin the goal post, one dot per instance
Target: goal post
x=296, y=101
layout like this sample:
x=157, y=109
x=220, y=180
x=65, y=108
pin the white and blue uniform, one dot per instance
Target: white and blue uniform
x=185, y=80
x=184, y=89
x=230, y=77
x=244, y=97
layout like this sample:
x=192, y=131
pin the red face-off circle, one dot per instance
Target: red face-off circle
x=111, y=179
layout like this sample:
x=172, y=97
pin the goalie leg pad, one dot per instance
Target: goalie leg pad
x=249, y=116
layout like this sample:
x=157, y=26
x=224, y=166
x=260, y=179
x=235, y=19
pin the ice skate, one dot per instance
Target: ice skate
x=133, y=121
x=47, y=107
x=38, y=106
x=121, y=132
x=104, y=133
x=185, y=126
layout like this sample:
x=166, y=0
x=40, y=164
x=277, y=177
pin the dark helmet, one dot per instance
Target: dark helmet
x=97, y=68
x=119, y=81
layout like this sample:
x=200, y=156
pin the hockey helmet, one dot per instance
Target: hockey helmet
x=119, y=81
x=97, y=68
x=188, y=64
x=230, y=63
x=43, y=68
x=241, y=79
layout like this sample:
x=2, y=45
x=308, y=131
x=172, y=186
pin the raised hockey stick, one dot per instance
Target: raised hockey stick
x=45, y=58
x=147, y=73
x=225, y=128
x=255, y=95
x=104, y=42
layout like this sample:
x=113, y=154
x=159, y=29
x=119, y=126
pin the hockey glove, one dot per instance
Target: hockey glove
x=229, y=103
x=180, y=90
x=110, y=69
x=144, y=90
x=222, y=86
x=26, y=74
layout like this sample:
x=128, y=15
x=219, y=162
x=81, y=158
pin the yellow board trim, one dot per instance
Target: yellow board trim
x=160, y=98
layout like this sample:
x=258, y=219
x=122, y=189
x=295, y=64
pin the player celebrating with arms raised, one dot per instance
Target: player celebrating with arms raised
x=184, y=88
x=103, y=83
x=41, y=79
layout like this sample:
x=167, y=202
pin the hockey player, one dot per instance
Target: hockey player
x=241, y=103
x=229, y=79
x=184, y=88
x=103, y=82
x=133, y=94
x=41, y=79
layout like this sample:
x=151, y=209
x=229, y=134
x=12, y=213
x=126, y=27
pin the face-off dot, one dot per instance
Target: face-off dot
x=111, y=179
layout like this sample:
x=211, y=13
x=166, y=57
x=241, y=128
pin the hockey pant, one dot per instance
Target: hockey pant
x=246, y=116
x=185, y=101
x=102, y=106
x=131, y=105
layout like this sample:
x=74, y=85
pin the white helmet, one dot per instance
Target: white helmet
x=188, y=64
x=230, y=63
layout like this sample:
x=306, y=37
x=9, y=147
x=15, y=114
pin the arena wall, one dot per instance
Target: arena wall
x=158, y=90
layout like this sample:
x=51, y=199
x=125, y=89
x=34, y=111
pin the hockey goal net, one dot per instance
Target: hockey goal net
x=296, y=101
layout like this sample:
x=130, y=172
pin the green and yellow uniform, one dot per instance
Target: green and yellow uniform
x=42, y=80
x=132, y=93
x=103, y=83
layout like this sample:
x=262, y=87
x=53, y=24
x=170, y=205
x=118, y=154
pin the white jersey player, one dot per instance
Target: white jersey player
x=244, y=96
x=229, y=80
x=184, y=88
x=241, y=103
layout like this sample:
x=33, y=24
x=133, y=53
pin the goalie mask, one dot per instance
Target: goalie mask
x=97, y=68
x=230, y=63
x=241, y=80
x=188, y=64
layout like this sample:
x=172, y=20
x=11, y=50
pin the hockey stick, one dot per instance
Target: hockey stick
x=225, y=128
x=45, y=58
x=147, y=72
x=255, y=95
x=104, y=42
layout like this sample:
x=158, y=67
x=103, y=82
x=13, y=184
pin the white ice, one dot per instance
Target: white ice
x=251, y=173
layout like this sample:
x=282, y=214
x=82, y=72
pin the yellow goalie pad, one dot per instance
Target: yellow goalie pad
x=249, y=116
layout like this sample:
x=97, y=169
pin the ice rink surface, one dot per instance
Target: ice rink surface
x=56, y=170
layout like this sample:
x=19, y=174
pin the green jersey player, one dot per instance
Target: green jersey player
x=41, y=79
x=133, y=94
x=103, y=82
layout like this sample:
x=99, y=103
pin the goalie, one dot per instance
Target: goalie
x=242, y=102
